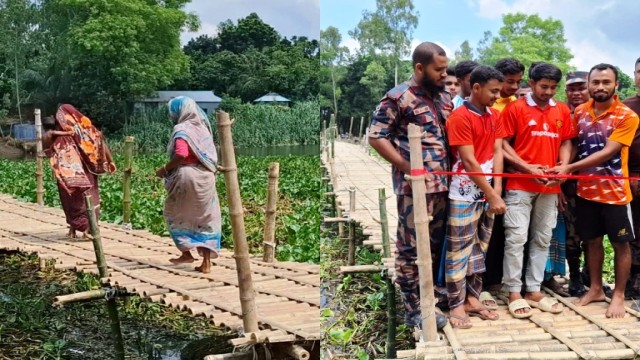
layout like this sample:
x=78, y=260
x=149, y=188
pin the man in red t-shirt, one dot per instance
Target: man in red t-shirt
x=538, y=136
x=475, y=136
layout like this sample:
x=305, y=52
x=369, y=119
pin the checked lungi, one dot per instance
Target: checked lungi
x=469, y=229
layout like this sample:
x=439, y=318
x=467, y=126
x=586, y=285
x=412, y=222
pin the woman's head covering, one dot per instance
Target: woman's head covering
x=192, y=125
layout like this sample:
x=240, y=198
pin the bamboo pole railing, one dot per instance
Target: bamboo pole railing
x=126, y=182
x=421, y=220
x=240, y=247
x=270, y=218
x=112, y=308
x=360, y=129
x=351, y=256
x=350, y=128
x=39, y=155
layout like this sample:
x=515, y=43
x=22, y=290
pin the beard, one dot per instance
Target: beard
x=428, y=84
x=601, y=96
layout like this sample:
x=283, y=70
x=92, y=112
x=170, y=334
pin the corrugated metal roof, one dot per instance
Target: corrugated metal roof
x=271, y=97
x=198, y=96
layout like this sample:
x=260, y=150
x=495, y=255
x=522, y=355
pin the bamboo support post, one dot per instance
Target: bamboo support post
x=340, y=224
x=350, y=128
x=60, y=300
x=332, y=126
x=390, y=350
x=270, y=220
x=39, y=162
x=112, y=308
x=423, y=248
x=351, y=257
x=240, y=247
x=360, y=128
x=126, y=184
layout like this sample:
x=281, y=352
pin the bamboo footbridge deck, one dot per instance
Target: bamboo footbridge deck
x=576, y=333
x=287, y=293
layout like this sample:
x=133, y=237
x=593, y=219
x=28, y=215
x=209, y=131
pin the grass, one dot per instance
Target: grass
x=298, y=207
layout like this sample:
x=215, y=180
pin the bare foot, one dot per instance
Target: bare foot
x=616, y=307
x=204, y=268
x=513, y=296
x=591, y=296
x=185, y=258
x=71, y=234
x=538, y=296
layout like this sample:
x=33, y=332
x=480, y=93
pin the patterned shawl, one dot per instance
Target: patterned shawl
x=83, y=151
x=192, y=125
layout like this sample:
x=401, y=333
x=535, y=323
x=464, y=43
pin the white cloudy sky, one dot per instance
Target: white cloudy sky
x=596, y=30
x=288, y=17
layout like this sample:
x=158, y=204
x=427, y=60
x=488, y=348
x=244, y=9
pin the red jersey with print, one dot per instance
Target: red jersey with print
x=536, y=135
x=619, y=124
x=467, y=125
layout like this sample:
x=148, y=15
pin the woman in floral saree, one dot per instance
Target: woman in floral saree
x=78, y=154
x=192, y=210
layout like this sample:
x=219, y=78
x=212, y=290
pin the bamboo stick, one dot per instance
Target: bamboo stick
x=240, y=248
x=295, y=351
x=270, y=220
x=39, y=155
x=390, y=349
x=421, y=221
x=361, y=269
x=126, y=185
x=231, y=356
x=112, y=308
x=351, y=257
x=360, y=129
x=350, y=128
x=577, y=348
x=332, y=125
x=60, y=300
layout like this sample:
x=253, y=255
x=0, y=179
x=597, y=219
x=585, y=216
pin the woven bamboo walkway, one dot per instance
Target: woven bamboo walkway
x=576, y=333
x=287, y=293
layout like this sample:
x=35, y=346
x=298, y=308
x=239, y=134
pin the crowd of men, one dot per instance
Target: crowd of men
x=508, y=236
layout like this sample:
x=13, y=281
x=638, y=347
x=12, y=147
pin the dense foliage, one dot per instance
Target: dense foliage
x=298, y=207
x=102, y=56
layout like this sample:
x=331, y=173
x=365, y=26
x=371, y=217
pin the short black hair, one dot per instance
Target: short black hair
x=545, y=70
x=451, y=71
x=637, y=62
x=464, y=68
x=509, y=66
x=603, y=66
x=423, y=53
x=482, y=74
x=524, y=85
x=534, y=64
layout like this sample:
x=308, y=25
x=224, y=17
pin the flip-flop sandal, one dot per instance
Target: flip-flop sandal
x=466, y=323
x=518, y=305
x=546, y=304
x=486, y=296
x=478, y=313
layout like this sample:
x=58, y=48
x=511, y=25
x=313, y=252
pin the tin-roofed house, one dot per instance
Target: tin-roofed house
x=272, y=99
x=207, y=100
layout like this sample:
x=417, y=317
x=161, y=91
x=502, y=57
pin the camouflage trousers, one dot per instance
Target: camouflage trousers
x=406, y=254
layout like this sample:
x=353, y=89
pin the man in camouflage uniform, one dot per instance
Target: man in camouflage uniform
x=422, y=101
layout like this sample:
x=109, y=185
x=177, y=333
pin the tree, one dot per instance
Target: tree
x=389, y=29
x=626, y=87
x=250, y=32
x=465, y=52
x=374, y=80
x=332, y=56
x=527, y=38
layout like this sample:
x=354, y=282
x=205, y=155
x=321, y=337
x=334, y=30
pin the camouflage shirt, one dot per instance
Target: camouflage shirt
x=407, y=103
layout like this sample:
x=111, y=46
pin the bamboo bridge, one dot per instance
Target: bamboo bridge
x=287, y=293
x=576, y=333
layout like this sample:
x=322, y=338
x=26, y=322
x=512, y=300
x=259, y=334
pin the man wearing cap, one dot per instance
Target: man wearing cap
x=633, y=286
